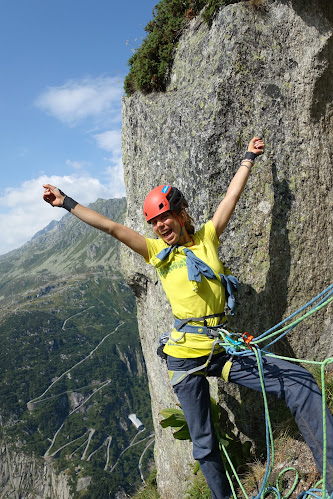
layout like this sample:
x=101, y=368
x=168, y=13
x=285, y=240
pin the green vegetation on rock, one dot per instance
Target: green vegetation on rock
x=150, y=64
x=149, y=491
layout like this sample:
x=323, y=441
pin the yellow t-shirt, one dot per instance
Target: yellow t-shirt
x=188, y=299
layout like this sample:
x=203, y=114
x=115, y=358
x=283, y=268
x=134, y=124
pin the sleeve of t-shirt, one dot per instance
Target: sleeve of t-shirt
x=154, y=247
x=208, y=231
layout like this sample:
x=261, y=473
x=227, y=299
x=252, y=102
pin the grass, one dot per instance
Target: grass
x=149, y=491
x=290, y=450
x=199, y=488
x=289, y=453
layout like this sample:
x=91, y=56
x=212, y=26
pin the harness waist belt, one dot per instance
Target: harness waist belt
x=193, y=329
x=182, y=326
x=181, y=323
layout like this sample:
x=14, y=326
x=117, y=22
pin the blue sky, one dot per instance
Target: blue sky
x=63, y=64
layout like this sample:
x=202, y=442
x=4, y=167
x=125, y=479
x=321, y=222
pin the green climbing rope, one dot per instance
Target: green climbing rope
x=240, y=346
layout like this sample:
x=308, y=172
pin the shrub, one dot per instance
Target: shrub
x=150, y=64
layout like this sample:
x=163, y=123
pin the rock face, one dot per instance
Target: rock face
x=23, y=476
x=258, y=70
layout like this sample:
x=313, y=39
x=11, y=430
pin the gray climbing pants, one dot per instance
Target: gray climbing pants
x=286, y=380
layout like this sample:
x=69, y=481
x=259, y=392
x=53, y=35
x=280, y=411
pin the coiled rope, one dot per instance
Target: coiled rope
x=236, y=344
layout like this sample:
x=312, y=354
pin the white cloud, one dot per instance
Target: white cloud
x=88, y=98
x=109, y=141
x=96, y=103
x=115, y=178
x=77, y=165
x=23, y=212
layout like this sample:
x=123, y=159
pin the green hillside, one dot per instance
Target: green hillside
x=70, y=349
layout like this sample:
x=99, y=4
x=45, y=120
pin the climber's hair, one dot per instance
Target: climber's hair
x=189, y=222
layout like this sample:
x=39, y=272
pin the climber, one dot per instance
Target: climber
x=195, y=280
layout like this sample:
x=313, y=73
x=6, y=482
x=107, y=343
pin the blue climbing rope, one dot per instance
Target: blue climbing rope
x=243, y=345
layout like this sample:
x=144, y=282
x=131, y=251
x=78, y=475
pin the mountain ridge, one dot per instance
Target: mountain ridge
x=47, y=242
x=61, y=248
x=71, y=365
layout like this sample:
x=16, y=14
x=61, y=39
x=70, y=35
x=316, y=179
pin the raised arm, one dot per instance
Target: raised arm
x=226, y=207
x=132, y=239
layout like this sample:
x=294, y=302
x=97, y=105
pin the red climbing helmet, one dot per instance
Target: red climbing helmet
x=161, y=199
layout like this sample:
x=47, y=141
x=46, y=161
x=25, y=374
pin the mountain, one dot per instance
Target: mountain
x=71, y=366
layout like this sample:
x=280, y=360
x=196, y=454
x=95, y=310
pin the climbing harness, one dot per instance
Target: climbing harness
x=195, y=269
x=183, y=327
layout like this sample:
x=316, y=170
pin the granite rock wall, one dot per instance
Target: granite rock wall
x=24, y=476
x=265, y=70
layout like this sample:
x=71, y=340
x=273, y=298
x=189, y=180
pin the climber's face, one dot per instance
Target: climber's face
x=167, y=227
